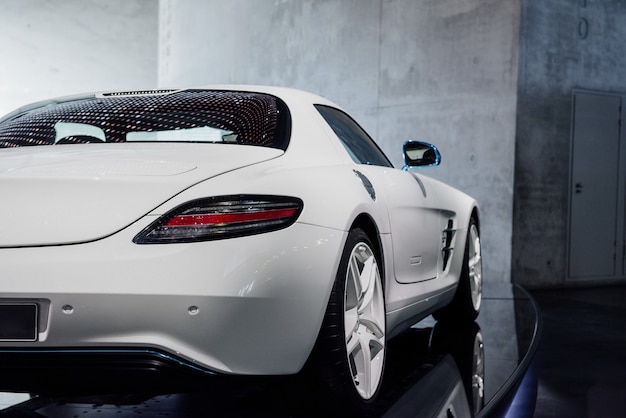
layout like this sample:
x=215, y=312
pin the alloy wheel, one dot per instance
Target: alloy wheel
x=364, y=320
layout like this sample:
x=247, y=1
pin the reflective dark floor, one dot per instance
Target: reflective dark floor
x=580, y=364
x=431, y=370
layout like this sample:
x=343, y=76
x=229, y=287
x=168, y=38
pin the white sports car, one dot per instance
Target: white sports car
x=229, y=230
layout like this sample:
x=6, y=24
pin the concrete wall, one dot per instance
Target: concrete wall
x=564, y=45
x=438, y=70
x=51, y=48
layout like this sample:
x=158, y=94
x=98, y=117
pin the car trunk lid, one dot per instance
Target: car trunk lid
x=64, y=194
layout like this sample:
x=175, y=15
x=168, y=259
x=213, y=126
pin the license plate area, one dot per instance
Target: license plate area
x=18, y=321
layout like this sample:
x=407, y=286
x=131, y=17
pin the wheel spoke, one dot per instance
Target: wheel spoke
x=476, y=260
x=372, y=316
x=354, y=275
x=365, y=356
x=368, y=284
x=361, y=360
x=373, y=327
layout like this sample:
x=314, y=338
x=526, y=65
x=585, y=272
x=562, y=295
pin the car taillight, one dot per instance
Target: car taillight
x=222, y=217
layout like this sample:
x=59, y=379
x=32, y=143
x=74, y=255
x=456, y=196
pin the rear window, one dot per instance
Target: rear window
x=210, y=116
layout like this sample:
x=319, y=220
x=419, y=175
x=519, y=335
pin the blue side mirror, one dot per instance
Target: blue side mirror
x=420, y=154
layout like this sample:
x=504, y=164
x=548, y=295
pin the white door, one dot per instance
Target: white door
x=416, y=226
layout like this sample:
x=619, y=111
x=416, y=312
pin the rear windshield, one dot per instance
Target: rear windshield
x=182, y=116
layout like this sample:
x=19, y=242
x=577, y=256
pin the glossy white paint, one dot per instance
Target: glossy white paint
x=64, y=195
x=250, y=305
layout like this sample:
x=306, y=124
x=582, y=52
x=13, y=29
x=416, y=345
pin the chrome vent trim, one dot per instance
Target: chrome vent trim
x=447, y=241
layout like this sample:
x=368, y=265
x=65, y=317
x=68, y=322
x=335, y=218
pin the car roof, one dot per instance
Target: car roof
x=291, y=96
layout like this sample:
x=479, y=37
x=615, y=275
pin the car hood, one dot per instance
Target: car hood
x=63, y=194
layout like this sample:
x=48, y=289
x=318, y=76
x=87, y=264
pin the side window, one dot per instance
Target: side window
x=357, y=142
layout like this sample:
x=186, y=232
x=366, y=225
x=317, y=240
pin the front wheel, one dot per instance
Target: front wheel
x=468, y=297
x=351, y=347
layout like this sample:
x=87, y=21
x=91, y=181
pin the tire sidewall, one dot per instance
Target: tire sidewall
x=331, y=351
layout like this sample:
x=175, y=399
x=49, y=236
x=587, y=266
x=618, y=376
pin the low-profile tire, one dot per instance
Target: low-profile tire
x=350, y=351
x=466, y=303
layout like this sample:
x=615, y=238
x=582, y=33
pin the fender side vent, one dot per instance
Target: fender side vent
x=447, y=241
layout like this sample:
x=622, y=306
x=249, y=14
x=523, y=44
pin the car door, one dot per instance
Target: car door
x=416, y=228
x=414, y=217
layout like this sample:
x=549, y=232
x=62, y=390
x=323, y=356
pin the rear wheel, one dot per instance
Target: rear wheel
x=351, y=347
x=468, y=297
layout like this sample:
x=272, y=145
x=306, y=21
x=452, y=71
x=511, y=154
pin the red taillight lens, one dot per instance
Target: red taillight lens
x=222, y=217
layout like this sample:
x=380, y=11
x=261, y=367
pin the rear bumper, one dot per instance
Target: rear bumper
x=250, y=305
x=124, y=370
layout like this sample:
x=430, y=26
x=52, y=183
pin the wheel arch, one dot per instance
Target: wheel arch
x=476, y=217
x=365, y=222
